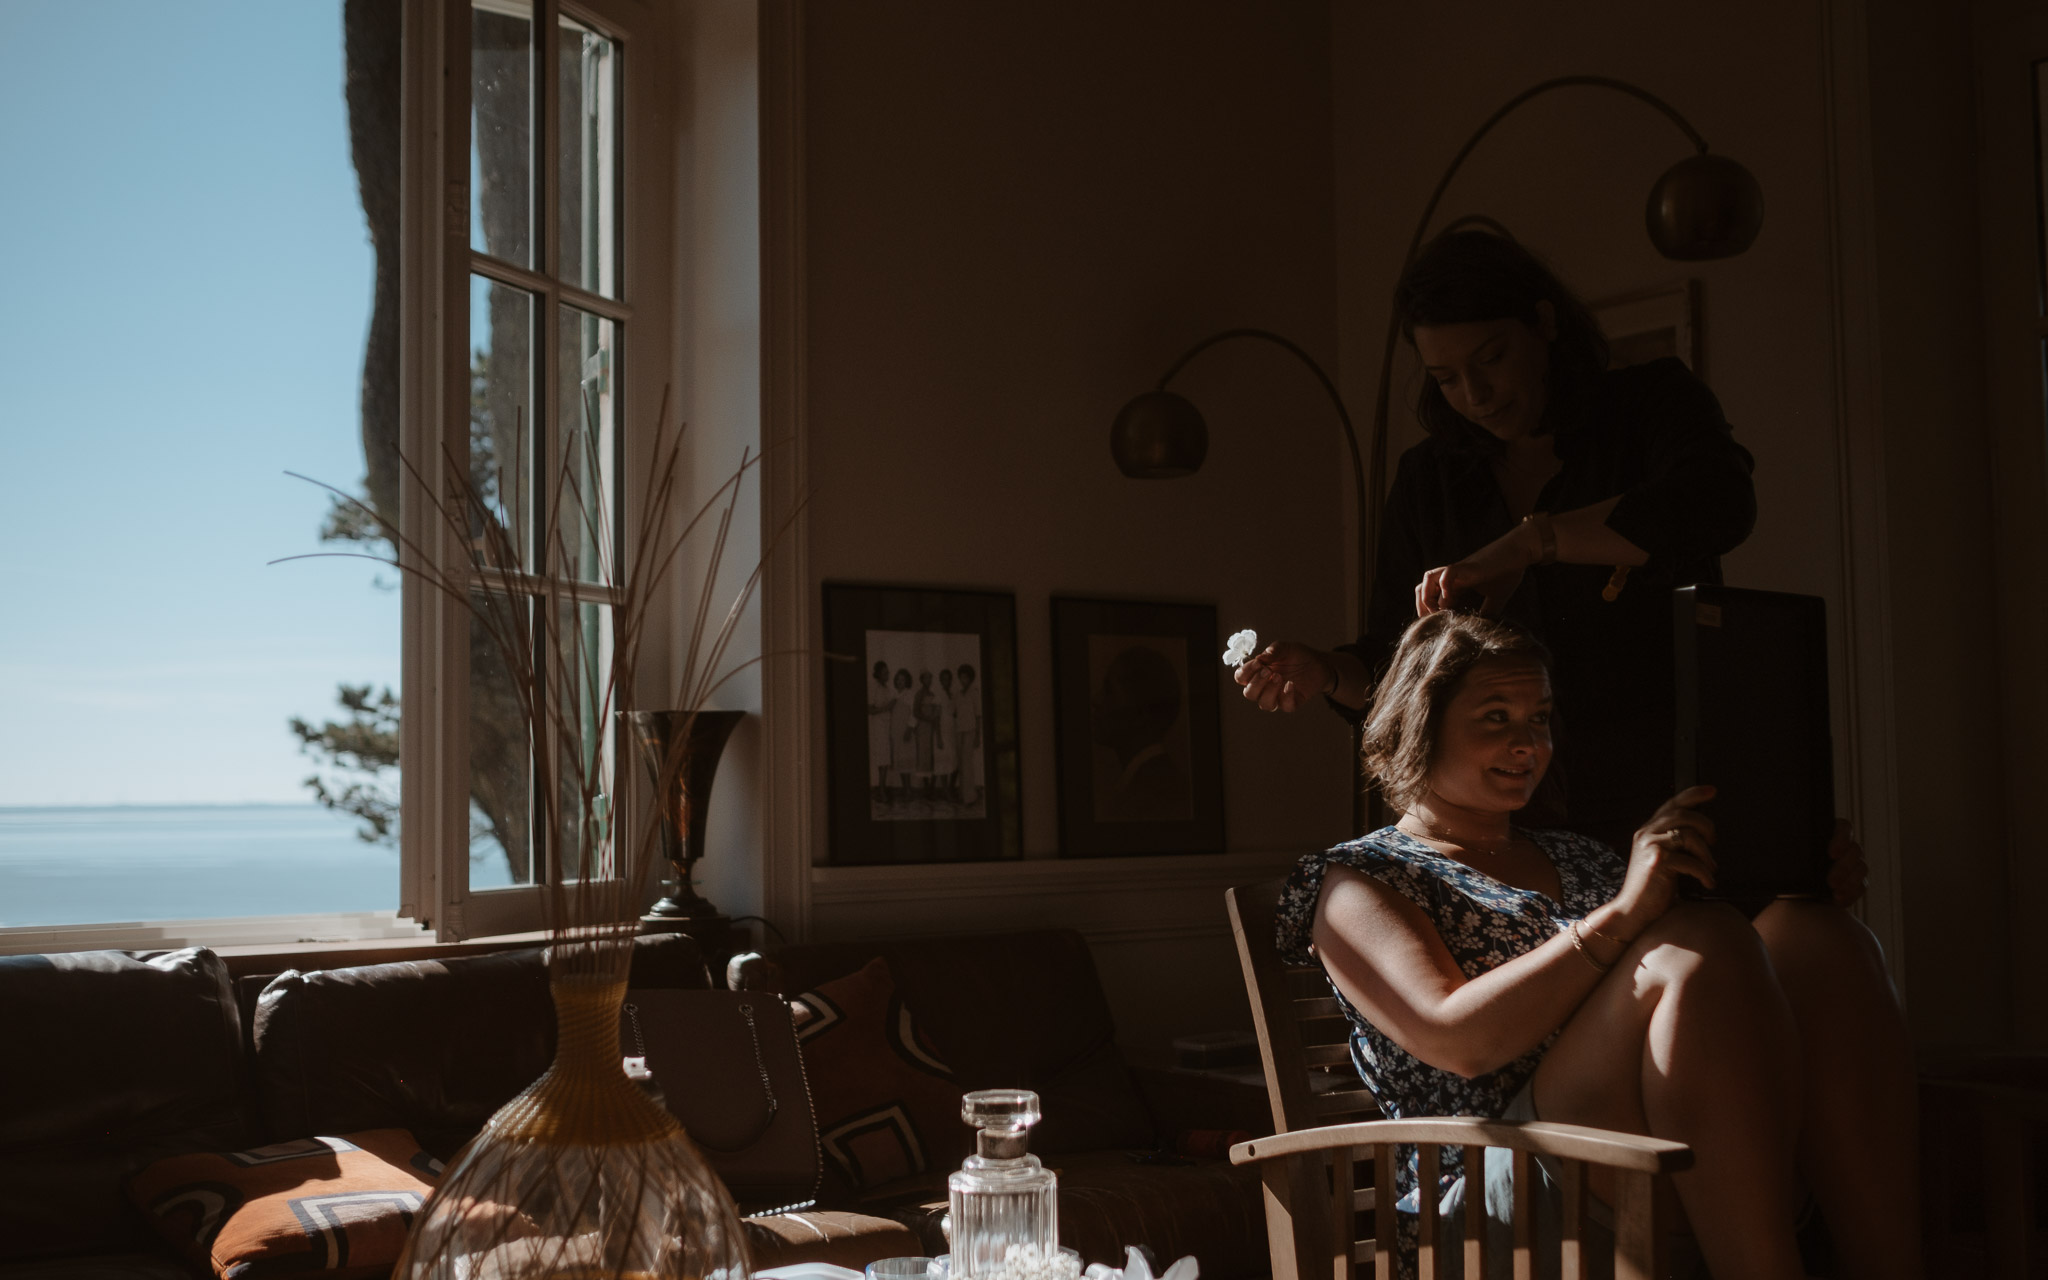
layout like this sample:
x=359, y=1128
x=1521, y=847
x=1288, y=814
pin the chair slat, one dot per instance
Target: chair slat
x=1571, y=1250
x=1427, y=1167
x=1309, y=1007
x=1362, y=1251
x=1635, y=1227
x=1525, y=1220
x=1478, y=1244
x=1364, y=1200
x=1334, y=1054
x=1343, y=1218
x=1383, y=1219
x=1328, y=1104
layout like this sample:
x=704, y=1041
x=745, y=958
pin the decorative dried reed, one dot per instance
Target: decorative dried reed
x=582, y=1174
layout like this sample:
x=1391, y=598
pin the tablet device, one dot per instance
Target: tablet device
x=1753, y=723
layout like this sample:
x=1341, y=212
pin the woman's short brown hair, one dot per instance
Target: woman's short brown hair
x=1407, y=708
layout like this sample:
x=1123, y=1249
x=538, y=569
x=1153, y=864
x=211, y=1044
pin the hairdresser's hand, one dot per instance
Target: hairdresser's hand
x=1492, y=573
x=1676, y=841
x=1848, y=873
x=1285, y=676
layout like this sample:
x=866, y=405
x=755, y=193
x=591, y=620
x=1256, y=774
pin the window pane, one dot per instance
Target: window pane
x=502, y=432
x=501, y=136
x=587, y=376
x=588, y=202
x=587, y=749
x=500, y=757
x=176, y=708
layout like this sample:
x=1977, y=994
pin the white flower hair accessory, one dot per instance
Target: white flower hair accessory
x=1242, y=646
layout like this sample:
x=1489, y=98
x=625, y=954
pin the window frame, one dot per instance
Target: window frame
x=437, y=263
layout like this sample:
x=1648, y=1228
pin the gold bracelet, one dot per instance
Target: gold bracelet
x=1607, y=937
x=1579, y=945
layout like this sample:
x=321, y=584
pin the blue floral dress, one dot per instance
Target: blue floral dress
x=1484, y=923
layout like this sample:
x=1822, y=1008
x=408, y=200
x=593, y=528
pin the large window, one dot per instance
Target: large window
x=534, y=399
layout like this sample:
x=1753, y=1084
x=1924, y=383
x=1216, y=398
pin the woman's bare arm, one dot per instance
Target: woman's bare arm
x=1389, y=961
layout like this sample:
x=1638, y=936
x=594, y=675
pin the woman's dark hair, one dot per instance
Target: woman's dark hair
x=1462, y=277
x=1408, y=706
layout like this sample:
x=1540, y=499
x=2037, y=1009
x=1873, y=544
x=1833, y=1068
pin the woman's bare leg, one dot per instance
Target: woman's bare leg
x=1856, y=1145
x=1690, y=1039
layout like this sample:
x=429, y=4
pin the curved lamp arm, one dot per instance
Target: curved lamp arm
x=1379, y=417
x=1343, y=416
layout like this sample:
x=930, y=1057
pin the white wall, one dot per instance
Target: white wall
x=1016, y=217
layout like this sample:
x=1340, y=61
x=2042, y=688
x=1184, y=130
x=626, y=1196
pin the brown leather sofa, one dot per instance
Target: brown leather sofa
x=111, y=1060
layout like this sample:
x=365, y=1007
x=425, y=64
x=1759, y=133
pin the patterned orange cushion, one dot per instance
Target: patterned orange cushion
x=887, y=1106
x=338, y=1206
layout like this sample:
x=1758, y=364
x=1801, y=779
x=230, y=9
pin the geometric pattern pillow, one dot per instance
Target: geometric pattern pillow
x=887, y=1106
x=341, y=1207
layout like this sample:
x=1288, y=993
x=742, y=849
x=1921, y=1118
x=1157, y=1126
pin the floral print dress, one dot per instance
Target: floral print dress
x=1484, y=923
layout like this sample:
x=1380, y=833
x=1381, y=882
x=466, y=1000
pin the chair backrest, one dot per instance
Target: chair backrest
x=1288, y=1164
x=1304, y=1041
x=1304, y=1045
x=1331, y=1160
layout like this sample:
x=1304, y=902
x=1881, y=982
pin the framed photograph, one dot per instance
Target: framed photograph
x=921, y=725
x=1653, y=323
x=1137, y=715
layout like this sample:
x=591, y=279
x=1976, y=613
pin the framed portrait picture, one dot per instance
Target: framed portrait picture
x=1137, y=715
x=921, y=725
x=1653, y=323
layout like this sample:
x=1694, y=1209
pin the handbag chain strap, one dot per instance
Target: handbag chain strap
x=760, y=1063
x=753, y=1034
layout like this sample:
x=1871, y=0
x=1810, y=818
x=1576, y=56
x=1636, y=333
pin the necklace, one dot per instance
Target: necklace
x=1442, y=836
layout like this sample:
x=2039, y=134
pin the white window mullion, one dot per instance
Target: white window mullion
x=433, y=736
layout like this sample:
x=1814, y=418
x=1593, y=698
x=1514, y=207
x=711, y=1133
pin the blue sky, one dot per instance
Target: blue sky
x=188, y=287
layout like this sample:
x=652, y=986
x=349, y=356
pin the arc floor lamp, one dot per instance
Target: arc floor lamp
x=1704, y=207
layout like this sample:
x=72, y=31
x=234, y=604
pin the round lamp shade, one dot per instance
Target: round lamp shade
x=1159, y=436
x=1705, y=206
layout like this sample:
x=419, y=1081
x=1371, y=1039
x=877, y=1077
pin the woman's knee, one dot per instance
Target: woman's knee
x=1820, y=946
x=1696, y=939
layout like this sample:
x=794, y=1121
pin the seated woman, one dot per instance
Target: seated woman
x=1489, y=970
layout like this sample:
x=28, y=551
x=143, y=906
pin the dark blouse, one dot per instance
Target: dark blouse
x=1653, y=434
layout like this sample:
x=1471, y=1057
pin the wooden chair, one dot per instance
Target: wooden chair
x=1326, y=1122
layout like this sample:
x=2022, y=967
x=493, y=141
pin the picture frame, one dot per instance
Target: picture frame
x=1137, y=727
x=1651, y=323
x=920, y=773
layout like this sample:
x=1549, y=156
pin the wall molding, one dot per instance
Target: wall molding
x=786, y=630
x=1857, y=379
x=1112, y=902
x=1044, y=877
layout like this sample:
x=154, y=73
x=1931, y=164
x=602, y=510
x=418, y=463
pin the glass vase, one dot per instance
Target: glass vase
x=580, y=1177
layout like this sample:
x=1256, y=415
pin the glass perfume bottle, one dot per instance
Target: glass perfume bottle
x=1002, y=1195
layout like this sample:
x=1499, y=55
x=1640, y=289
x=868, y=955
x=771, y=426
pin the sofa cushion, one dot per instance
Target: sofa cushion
x=887, y=1106
x=341, y=1207
x=1014, y=1010
x=429, y=1046
x=113, y=1058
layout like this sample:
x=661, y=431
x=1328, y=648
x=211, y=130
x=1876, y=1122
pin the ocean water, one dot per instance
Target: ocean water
x=182, y=862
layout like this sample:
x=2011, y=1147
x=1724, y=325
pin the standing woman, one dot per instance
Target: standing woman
x=1551, y=491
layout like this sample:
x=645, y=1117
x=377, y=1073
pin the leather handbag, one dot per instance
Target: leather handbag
x=727, y=1066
